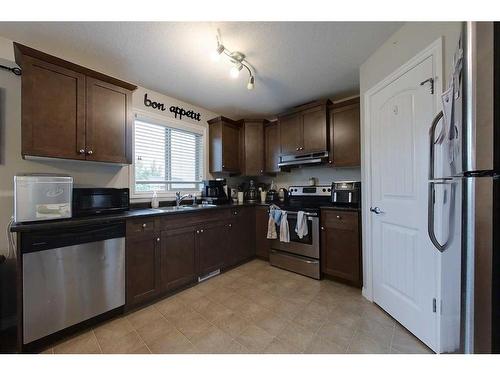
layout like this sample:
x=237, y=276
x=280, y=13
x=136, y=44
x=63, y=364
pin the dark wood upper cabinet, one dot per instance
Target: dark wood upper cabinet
x=290, y=134
x=272, y=147
x=71, y=112
x=314, y=124
x=340, y=245
x=345, y=134
x=224, y=145
x=253, y=152
x=304, y=129
x=109, y=117
x=53, y=110
x=178, y=257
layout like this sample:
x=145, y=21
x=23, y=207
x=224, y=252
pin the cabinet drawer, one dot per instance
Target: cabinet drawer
x=347, y=220
x=141, y=226
x=195, y=218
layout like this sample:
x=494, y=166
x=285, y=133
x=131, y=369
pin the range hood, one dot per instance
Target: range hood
x=305, y=159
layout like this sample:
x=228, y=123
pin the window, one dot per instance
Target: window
x=166, y=158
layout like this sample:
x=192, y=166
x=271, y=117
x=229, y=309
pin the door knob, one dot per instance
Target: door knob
x=376, y=210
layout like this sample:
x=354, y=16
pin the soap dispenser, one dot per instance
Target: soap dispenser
x=154, y=200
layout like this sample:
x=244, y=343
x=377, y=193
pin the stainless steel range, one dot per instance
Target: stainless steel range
x=301, y=255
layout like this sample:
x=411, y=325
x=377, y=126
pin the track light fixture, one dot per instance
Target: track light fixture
x=237, y=59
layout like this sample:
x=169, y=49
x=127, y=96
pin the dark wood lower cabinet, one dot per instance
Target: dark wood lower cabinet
x=340, y=245
x=177, y=258
x=241, y=235
x=142, y=268
x=211, y=245
x=262, y=244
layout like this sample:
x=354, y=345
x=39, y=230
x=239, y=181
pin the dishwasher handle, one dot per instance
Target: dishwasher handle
x=70, y=236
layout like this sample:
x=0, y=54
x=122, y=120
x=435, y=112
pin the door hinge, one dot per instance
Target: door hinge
x=434, y=305
x=431, y=81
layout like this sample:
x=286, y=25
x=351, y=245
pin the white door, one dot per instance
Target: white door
x=405, y=265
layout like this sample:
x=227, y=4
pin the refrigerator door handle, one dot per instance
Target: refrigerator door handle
x=432, y=142
x=430, y=217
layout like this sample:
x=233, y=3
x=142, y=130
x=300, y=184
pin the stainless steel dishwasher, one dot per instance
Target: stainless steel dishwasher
x=71, y=275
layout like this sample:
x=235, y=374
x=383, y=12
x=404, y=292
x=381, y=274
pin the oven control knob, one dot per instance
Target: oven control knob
x=329, y=190
x=324, y=190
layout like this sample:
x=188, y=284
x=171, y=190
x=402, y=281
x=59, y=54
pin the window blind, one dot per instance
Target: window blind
x=167, y=159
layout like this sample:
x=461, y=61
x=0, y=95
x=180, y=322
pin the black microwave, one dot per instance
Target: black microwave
x=97, y=201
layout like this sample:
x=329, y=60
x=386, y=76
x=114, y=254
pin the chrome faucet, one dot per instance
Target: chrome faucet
x=179, y=198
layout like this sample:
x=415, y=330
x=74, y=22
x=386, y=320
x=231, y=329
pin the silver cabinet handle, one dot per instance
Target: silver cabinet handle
x=230, y=225
x=144, y=225
x=376, y=210
x=339, y=217
x=432, y=142
x=322, y=228
x=81, y=151
x=297, y=148
x=90, y=152
x=201, y=230
x=197, y=232
x=158, y=239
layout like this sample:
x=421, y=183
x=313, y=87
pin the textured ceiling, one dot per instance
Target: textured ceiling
x=296, y=62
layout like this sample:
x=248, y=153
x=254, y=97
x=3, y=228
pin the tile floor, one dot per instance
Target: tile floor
x=254, y=308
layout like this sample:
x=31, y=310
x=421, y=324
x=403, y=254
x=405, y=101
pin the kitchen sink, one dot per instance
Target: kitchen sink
x=184, y=208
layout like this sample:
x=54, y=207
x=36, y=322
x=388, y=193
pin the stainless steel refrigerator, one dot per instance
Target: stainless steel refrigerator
x=464, y=193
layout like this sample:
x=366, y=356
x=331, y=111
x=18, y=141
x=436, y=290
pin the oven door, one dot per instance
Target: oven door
x=308, y=246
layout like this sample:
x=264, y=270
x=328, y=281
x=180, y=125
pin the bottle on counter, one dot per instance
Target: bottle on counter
x=154, y=200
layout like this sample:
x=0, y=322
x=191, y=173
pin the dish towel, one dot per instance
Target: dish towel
x=284, y=230
x=274, y=218
x=301, y=226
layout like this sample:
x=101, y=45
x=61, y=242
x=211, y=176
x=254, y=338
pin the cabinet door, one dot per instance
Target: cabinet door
x=272, y=147
x=177, y=258
x=211, y=244
x=315, y=129
x=290, y=134
x=143, y=268
x=345, y=136
x=109, y=122
x=242, y=235
x=230, y=148
x=262, y=244
x=340, y=246
x=253, y=148
x=53, y=110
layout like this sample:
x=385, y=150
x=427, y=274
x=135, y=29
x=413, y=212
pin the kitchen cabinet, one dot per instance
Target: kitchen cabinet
x=224, y=146
x=142, y=252
x=345, y=137
x=304, y=130
x=241, y=235
x=109, y=116
x=72, y=112
x=253, y=147
x=178, y=258
x=340, y=245
x=262, y=244
x=271, y=147
x=211, y=245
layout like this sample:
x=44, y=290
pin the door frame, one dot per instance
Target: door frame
x=434, y=50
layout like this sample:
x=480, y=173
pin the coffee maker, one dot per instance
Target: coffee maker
x=214, y=191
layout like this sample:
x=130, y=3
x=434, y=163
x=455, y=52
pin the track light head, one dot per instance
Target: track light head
x=251, y=83
x=235, y=70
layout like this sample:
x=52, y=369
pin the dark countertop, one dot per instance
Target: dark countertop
x=134, y=213
x=130, y=214
x=341, y=208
